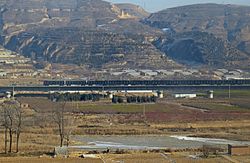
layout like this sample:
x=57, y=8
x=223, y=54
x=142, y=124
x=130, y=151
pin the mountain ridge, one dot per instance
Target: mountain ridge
x=231, y=23
x=100, y=34
x=89, y=32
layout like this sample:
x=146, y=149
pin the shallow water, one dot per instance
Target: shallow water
x=212, y=140
x=147, y=142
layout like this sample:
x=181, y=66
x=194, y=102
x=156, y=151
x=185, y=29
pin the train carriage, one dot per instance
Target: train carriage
x=54, y=83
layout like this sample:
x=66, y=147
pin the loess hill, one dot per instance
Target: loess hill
x=100, y=34
x=84, y=32
x=227, y=38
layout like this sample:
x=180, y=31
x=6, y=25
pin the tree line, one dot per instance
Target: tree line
x=134, y=99
x=75, y=97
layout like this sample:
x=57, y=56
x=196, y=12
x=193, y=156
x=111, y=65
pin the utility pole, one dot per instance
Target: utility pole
x=13, y=91
x=144, y=114
x=144, y=111
x=229, y=91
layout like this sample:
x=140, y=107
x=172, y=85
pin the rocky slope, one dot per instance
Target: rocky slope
x=230, y=23
x=201, y=48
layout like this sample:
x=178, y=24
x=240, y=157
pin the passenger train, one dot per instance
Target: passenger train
x=143, y=82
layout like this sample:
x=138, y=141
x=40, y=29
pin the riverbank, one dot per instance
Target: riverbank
x=178, y=157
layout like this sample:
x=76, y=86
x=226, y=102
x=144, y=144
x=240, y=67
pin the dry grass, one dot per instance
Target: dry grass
x=207, y=124
x=135, y=158
x=34, y=143
x=241, y=158
x=20, y=81
x=233, y=130
x=128, y=158
x=179, y=159
x=48, y=160
x=165, y=117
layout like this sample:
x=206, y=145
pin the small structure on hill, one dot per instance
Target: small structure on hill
x=125, y=15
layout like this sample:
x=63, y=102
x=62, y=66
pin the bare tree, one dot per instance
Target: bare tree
x=12, y=120
x=69, y=127
x=5, y=124
x=10, y=127
x=9, y=113
x=64, y=122
x=58, y=116
x=5, y=135
x=18, y=126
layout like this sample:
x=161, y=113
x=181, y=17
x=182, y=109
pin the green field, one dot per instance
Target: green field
x=239, y=101
x=233, y=94
x=217, y=106
x=45, y=105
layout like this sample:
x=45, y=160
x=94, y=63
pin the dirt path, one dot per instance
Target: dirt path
x=230, y=159
x=181, y=106
x=49, y=160
x=170, y=160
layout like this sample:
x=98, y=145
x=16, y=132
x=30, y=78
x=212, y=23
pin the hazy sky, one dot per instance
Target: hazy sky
x=156, y=5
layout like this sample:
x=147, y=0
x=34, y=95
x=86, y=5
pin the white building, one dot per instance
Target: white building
x=181, y=95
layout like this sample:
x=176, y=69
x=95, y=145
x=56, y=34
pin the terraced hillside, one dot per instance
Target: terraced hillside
x=99, y=34
x=94, y=48
x=83, y=32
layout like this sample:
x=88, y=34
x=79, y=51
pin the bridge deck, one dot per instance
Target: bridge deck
x=120, y=88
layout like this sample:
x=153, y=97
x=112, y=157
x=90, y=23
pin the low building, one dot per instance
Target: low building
x=134, y=74
x=148, y=73
x=165, y=72
x=239, y=150
x=116, y=73
x=185, y=95
x=223, y=70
